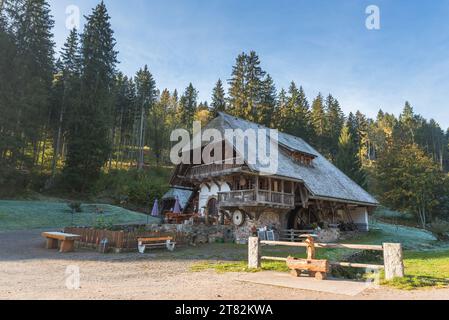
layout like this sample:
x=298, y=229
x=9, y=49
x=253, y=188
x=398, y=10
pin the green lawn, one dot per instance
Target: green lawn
x=424, y=269
x=26, y=215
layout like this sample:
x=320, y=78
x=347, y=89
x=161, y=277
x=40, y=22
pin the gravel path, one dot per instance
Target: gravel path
x=28, y=271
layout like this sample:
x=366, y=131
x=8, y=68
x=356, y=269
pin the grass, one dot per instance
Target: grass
x=424, y=269
x=27, y=215
x=238, y=266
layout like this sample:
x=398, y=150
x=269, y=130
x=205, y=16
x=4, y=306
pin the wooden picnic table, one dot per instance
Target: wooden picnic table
x=177, y=218
x=67, y=241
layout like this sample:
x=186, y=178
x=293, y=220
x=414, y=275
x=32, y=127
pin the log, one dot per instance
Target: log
x=254, y=255
x=308, y=265
x=393, y=260
x=319, y=275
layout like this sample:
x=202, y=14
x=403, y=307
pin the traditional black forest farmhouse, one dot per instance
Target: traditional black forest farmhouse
x=306, y=192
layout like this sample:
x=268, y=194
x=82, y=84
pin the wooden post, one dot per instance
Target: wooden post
x=257, y=188
x=254, y=255
x=270, y=188
x=393, y=260
x=310, y=248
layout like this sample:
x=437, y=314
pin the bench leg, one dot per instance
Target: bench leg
x=51, y=244
x=67, y=246
x=141, y=248
x=295, y=272
x=319, y=275
x=170, y=246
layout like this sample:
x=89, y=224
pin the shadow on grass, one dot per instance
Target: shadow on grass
x=411, y=282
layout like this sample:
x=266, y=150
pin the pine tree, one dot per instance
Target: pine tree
x=33, y=64
x=187, y=107
x=89, y=141
x=157, y=125
x=267, y=104
x=146, y=96
x=347, y=159
x=335, y=121
x=283, y=114
x=237, y=87
x=319, y=122
x=9, y=141
x=293, y=116
x=249, y=88
x=257, y=88
x=69, y=85
x=303, y=126
x=407, y=125
x=218, y=99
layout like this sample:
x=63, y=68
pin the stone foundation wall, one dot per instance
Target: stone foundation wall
x=267, y=219
x=197, y=234
x=328, y=235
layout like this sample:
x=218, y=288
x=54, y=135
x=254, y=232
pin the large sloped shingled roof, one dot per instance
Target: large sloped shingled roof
x=323, y=179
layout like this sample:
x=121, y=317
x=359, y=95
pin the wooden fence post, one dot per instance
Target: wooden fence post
x=393, y=260
x=254, y=255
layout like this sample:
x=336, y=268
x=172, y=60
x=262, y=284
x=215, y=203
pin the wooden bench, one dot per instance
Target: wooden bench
x=67, y=241
x=143, y=243
x=316, y=268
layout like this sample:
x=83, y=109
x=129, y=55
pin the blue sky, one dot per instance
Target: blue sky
x=322, y=45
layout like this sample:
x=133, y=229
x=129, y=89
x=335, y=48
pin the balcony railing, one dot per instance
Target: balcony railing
x=253, y=197
x=211, y=169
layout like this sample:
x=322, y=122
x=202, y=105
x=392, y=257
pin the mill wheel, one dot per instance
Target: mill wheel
x=298, y=219
x=238, y=218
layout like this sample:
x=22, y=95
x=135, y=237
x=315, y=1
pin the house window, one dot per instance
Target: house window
x=303, y=159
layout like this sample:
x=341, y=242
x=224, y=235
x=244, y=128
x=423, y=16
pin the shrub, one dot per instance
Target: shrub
x=75, y=207
x=133, y=186
x=440, y=229
x=102, y=224
x=13, y=181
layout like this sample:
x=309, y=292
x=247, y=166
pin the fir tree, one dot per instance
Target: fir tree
x=319, y=122
x=218, y=99
x=89, y=141
x=335, y=121
x=187, y=107
x=69, y=76
x=267, y=104
x=347, y=159
x=145, y=99
x=237, y=87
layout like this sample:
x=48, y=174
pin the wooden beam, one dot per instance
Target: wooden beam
x=326, y=245
x=341, y=264
x=274, y=258
x=358, y=265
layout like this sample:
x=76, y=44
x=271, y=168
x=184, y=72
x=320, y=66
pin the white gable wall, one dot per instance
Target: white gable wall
x=206, y=193
x=360, y=218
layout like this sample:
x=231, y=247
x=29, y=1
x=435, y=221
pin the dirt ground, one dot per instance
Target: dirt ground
x=29, y=271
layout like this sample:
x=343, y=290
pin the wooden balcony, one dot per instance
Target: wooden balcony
x=255, y=198
x=215, y=169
